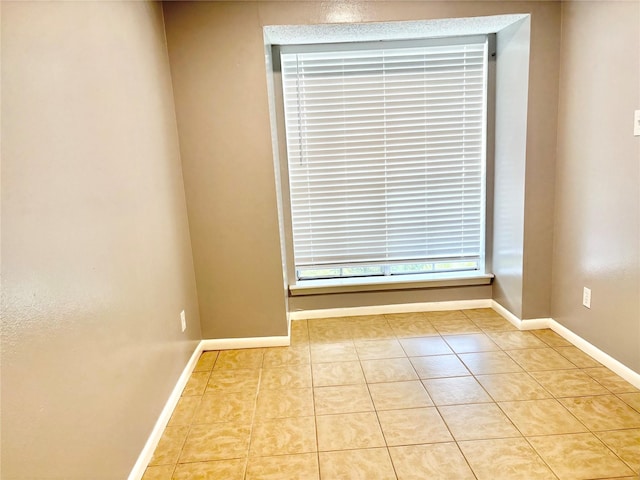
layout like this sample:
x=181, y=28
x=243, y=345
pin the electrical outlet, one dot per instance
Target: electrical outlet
x=183, y=320
x=586, y=297
x=636, y=123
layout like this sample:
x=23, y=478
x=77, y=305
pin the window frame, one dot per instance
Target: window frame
x=382, y=282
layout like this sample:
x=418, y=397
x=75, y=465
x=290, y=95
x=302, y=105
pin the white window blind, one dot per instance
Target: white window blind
x=386, y=156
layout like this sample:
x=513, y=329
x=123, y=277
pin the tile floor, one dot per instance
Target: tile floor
x=435, y=395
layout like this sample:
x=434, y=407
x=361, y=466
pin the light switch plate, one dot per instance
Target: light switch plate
x=636, y=123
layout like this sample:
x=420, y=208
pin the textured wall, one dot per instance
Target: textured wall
x=597, y=238
x=218, y=71
x=95, y=245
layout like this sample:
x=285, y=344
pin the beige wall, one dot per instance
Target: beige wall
x=217, y=65
x=218, y=70
x=597, y=239
x=95, y=244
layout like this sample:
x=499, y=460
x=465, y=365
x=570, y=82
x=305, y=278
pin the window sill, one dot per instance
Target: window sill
x=403, y=282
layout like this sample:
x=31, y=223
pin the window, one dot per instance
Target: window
x=386, y=147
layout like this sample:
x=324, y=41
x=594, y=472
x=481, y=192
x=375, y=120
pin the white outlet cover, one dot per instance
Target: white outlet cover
x=636, y=123
x=586, y=297
x=183, y=320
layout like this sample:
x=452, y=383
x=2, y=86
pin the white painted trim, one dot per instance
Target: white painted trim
x=535, y=324
x=531, y=324
x=604, y=358
x=158, y=429
x=399, y=308
x=506, y=314
x=250, y=342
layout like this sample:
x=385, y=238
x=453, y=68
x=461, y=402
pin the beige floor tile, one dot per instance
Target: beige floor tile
x=283, y=436
x=551, y=338
x=541, y=417
x=437, y=461
x=579, y=456
x=604, y=412
x=379, y=349
x=372, y=330
x=388, y=370
x=423, y=346
x=504, y=387
x=454, y=326
x=283, y=403
x=505, y=459
x=196, y=384
x=225, y=407
x=577, y=357
x=482, y=363
x=288, y=376
x=227, y=469
x=240, y=380
x=184, y=411
x=284, y=467
x=337, y=373
x=299, y=333
x=396, y=395
x=326, y=335
x=239, y=359
x=365, y=464
x=456, y=390
x=206, y=361
x=159, y=472
x=333, y=352
x=280, y=356
x=635, y=477
x=342, y=399
x=446, y=315
x=568, y=383
x=408, y=316
x=413, y=426
x=516, y=340
x=610, y=380
x=367, y=320
x=540, y=359
x=470, y=343
x=299, y=325
x=216, y=441
x=349, y=430
x=631, y=399
x=625, y=444
x=411, y=327
x=474, y=313
x=477, y=422
x=169, y=446
x=330, y=330
x=494, y=324
x=439, y=366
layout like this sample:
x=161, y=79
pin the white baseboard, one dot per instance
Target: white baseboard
x=399, y=308
x=532, y=324
x=152, y=442
x=250, y=342
x=604, y=358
